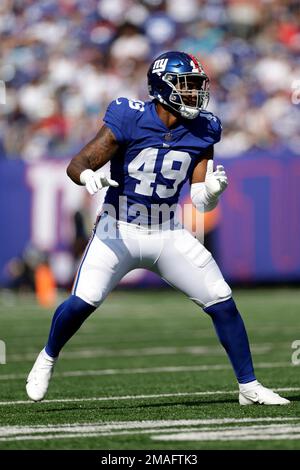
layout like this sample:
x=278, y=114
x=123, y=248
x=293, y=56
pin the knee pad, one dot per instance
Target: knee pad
x=221, y=290
x=215, y=291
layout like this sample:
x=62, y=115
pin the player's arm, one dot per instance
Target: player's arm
x=206, y=184
x=93, y=156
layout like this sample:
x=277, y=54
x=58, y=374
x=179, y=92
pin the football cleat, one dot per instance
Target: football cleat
x=260, y=395
x=178, y=80
x=39, y=376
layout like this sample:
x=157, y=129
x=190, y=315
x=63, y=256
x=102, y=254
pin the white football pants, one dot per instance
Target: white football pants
x=175, y=255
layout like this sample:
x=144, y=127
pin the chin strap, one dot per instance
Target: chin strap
x=185, y=111
x=188, y=113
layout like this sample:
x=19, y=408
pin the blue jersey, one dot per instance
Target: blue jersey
x=153, y=161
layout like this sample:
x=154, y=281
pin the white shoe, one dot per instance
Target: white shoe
x=39, y=376
x=257, y=394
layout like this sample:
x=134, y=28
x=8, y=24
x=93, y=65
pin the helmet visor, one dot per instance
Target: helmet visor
x=190, y=90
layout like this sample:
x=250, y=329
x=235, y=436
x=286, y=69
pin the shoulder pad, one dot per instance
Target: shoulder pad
x=128, y=104
x=213, y=126
x=121, y=115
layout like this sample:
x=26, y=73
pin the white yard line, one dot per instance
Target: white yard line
x=139, y=397
x=179, y=437
x=272, y=432
x=150, y=370
x=149, y=424
x=218, y=436
x=281, y=431
x=137, y=352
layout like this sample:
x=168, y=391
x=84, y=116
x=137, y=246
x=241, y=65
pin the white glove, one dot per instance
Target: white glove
x=94, y=181
x=215, y=181
x=205, y=195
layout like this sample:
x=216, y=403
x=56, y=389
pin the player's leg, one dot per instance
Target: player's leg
x=104, y=263
x=187, y=265
x=67, y=319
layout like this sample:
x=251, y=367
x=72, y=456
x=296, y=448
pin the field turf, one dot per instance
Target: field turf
x=146, y=372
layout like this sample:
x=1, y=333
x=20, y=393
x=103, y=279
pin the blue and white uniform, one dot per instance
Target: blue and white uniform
x=151, y=167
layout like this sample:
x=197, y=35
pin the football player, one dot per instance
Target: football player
x=153, y=149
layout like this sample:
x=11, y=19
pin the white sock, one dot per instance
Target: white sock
x=46, y=356
x=248, y=385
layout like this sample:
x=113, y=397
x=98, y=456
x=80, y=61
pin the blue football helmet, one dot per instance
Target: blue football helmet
x=178, y=80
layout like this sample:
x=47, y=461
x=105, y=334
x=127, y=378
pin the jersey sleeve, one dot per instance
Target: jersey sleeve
x=116, y=120
x=213, y=129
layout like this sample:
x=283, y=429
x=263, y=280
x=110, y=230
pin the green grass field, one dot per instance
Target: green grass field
x=146, y=372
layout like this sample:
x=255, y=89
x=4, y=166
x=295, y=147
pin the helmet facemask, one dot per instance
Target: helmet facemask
x=190, y=93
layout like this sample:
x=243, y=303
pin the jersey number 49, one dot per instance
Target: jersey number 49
x=143, y=165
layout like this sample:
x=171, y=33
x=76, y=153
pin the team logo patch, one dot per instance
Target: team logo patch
x=159, y=65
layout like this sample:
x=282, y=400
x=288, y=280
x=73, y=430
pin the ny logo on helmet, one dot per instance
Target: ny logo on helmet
x=159, y=65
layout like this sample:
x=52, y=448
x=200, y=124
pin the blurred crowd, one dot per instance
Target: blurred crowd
x=63, y=61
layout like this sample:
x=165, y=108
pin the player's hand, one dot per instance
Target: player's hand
x=94, y=181
x=215, y=181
